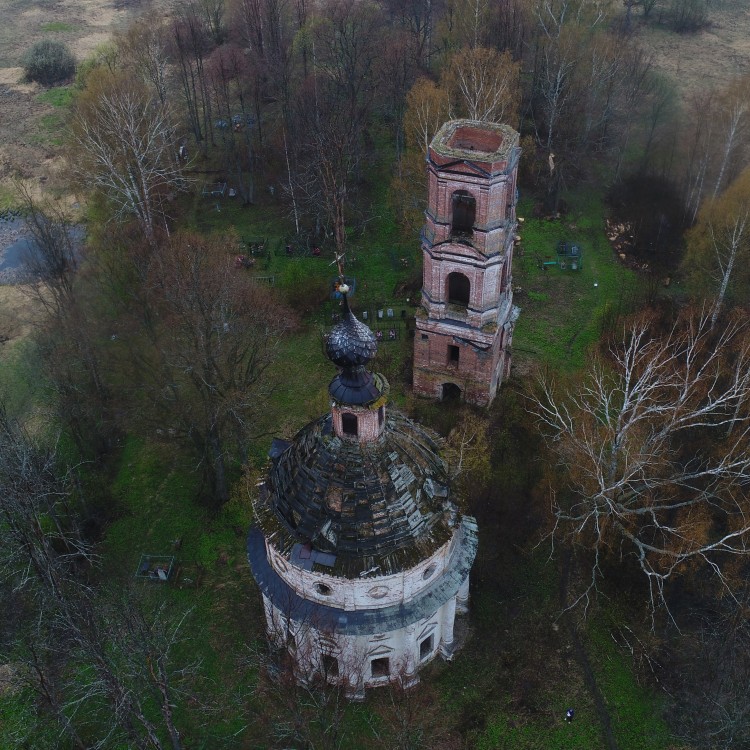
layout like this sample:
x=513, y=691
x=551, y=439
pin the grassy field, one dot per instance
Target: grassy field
x=562, y=311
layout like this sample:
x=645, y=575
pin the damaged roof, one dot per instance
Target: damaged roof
x=380, y=506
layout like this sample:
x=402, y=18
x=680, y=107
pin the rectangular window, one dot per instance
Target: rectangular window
x=330, y=665
x=425, y=648
x=453, y=353
x=381, y=667
x=349, y=424
x=424, y=337
x=381, y=416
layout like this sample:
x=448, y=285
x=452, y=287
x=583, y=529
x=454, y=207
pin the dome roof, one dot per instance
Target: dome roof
x=380, y=506
x=350, y=343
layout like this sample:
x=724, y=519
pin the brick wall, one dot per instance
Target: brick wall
x=479, y=330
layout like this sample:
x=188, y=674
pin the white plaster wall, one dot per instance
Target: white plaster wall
x=370, y=592
x=355, y=653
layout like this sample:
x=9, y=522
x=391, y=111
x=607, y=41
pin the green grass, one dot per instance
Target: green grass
x=8, y=198
x=156, y=493
x=51, y=130
x=634, y=709
x=562, y=310
x=54, y=27
x=60, y=96
x=21, y=385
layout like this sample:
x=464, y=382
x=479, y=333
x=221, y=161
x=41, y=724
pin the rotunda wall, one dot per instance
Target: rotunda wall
x=366, y=660
x=368, y=592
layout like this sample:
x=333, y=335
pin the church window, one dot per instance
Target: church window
x=464, y=208
x=321, y=588
x=429, y=571
x=453, y=354
x=381, y=667
x=459, y=289
x=425, y=337
x=426, y=647
x=330, y=665
x=381, y=416
x=349, y=424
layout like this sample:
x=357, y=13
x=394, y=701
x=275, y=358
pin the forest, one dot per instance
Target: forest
x=218, y=156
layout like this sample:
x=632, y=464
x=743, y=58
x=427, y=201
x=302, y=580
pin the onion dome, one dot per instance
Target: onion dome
x=351, y=343
x=350, y=346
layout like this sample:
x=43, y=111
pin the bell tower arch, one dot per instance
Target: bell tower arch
x=465, y=326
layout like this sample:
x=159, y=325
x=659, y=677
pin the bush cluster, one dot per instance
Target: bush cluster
x=49, y=62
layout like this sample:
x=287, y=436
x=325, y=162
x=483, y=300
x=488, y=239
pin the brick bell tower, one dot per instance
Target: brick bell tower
x=465, y=327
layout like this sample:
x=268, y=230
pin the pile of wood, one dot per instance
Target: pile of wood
x=622, y=239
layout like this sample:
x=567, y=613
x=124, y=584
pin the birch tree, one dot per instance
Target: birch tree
x=484, y=85
x=128, y=150
x=719, y=245
x=654, y=446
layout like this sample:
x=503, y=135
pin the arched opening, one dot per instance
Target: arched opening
x=459, y=289
x=349, y=424
x=451, y=392
x=464, y=207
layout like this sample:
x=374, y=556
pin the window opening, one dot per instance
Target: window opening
x=330, y=665
x=426, y=647
x=321, y=588
x=381, y=416
x=459, y=289
x=453, y=354
x=464, y=213
x=381, y=667
x=349, y=424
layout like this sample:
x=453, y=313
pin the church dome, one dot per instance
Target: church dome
x=350, y=343
x=350, y=346
x=378, y=506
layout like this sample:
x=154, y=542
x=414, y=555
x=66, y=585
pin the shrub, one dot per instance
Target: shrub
x=689, y=15
x=49, y=62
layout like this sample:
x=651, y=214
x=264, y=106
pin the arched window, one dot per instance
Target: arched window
x=464, y=212
x=459, y=288
x=349, y=424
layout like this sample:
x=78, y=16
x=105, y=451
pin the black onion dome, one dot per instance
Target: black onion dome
x=384, y=503
x=351, y=343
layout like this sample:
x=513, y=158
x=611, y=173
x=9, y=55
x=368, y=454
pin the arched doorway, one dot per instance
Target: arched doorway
x=450, y=392
x=464, y=207
x=459, y=289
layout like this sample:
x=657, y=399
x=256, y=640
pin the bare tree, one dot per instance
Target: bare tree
x=129, y=150
x=426, y=111
x=67, y=334
x=483, y=84
x=144, y=49
x=94, y=659
x=212, y=334
x=719, y=244
x=654, y=468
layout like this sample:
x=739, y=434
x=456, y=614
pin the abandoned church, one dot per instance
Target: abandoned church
x=359, y=549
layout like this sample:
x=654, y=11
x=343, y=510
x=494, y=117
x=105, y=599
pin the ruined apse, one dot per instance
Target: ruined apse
x=360, y=552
